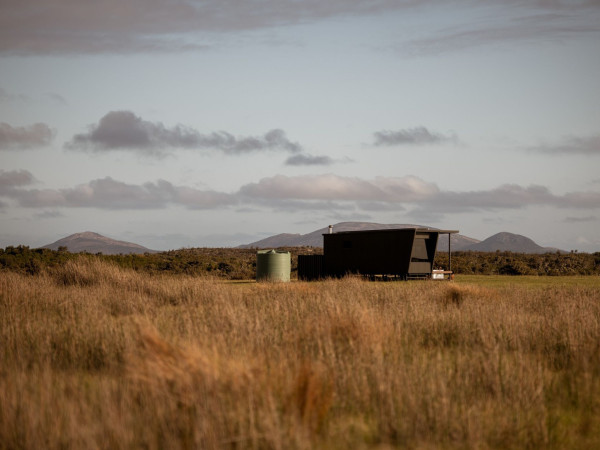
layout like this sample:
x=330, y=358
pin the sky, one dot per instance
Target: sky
x=187, y=123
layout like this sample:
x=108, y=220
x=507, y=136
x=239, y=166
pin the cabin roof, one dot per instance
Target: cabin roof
x=392, y=230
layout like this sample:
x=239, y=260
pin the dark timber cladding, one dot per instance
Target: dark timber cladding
x=311, y=267
x=402, y=252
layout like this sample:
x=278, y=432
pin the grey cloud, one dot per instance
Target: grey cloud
x=56, y=98
x=21, y=138
x=411, y=136
x=400, y=192
x=507, y=196
x=572, y=145
x=8, y=97
x=64, y=26
x=326, y=192
x=49, y=215
x=352, y=217
x=423, y=215
x=309, y=160
x=379, y=206
x=511, y=196
x=291, y=205
x=123, y=130
x=583, y=200
x=521, y=25
x=107, y=193
x=15, y=178
x=581, y=219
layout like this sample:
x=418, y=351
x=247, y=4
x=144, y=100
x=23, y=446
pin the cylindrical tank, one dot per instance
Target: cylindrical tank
x=273, y=265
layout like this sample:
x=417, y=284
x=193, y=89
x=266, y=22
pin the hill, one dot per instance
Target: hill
x=315, y=238
x=509, y=242
x=96, y=243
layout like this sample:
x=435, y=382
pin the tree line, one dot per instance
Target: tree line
x=240, y=264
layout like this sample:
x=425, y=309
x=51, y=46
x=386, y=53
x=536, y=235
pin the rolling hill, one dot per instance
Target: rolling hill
x=91, y=242
x=509, y=242
x=315, y=238
x=504, y=241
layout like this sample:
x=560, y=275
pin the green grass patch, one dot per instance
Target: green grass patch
x=528, y=281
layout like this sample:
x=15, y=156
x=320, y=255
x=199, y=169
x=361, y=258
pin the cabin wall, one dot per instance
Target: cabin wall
x=381, y=252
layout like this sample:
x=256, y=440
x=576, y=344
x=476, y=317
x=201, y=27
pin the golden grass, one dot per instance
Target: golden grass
x=93, y=356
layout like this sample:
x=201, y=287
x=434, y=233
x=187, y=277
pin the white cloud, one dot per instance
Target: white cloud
x=313, y=187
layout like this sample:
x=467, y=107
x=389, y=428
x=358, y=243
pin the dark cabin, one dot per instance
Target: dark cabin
x=397, y=253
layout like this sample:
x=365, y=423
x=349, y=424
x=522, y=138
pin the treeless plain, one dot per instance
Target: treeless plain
x=97, y=356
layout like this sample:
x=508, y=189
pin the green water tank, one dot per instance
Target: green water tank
x=273, y=265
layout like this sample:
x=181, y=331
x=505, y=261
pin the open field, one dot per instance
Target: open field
x=97, y=356
x=529, y=281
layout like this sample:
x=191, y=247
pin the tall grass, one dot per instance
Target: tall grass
x=93, y=356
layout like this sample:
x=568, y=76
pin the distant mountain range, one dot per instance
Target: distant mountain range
x=502, y=241
x=95, y=243
x=509, y=242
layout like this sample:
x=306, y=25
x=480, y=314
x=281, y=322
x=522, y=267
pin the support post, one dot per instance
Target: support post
x=449, y=253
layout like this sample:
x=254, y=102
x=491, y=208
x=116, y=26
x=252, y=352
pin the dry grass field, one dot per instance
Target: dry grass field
x=95, y=356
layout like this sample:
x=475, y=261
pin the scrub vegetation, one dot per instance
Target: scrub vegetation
x=240, y=264
x=94, y=355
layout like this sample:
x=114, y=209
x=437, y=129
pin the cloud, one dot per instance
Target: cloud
x=49, y=215
x=309, y=160
x=376, y=206
x=351, y=217
x=581, y=219
x=572, y=145
x=327, y=192
x=511, y=196
x=293, y=205
x=507, y=196
x=65, y=26
x=544, y=21
x=107, y=193
x=336, y=188
x=123, y=130
x=411, y=136
x=56, y=99
x=15, y=178
x=8, y=97
x=22, y=138
x=383, y=193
